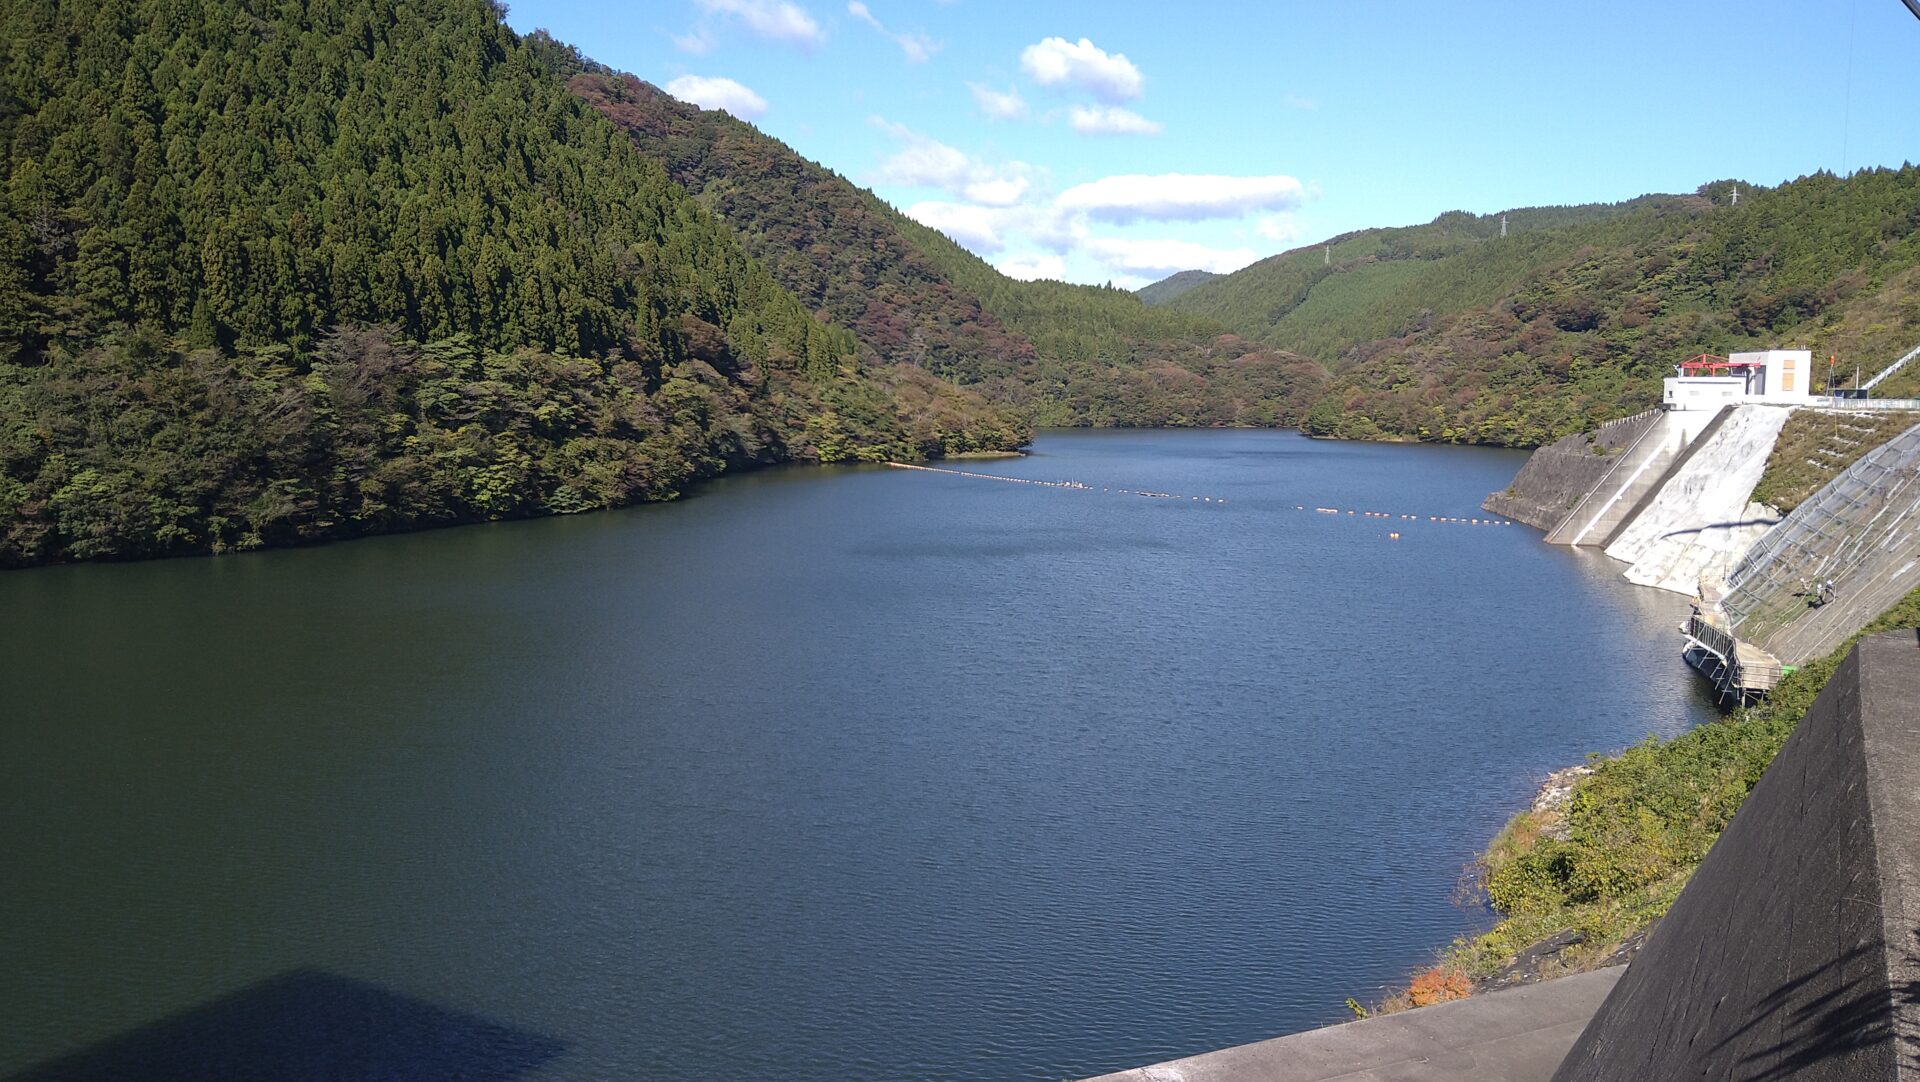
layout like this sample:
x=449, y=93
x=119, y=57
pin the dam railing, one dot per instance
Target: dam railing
x=1866, y=404
x=1890, y=369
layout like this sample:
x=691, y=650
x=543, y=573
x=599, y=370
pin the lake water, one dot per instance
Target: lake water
x=819, y=774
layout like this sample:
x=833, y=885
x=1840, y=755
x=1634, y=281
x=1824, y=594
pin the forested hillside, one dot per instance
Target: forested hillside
x=284, y=271
x=1174, y=285
x=1063, y=354
x=1451, y=331
x=302, y=269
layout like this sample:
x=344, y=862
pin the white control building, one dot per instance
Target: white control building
x=1774, y=376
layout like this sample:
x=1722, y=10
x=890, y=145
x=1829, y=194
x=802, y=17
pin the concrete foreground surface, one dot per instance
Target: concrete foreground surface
x=1518, y=1035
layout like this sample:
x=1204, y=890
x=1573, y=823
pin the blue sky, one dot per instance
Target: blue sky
x=1120, y=141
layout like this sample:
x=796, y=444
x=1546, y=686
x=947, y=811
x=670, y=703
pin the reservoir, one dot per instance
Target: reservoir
x=849, y=773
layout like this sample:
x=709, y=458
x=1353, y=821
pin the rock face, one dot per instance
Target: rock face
x=1557, y=789
x=1794, y=952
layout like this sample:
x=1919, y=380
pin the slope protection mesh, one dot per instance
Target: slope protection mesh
x=1861, y=534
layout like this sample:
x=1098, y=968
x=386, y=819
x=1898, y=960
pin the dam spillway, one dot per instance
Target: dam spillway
x=1595, y=515
x=1700, y=518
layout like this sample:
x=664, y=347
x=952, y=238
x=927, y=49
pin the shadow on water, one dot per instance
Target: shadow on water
x=307, y=1024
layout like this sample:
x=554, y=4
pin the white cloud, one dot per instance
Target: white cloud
x=1057, y=61
x=1159, y=258
x=712, y=92
x=1182, y=197
x=925, y=162
x=996, y=191
x=916, y=45
x=998, y=105
x=779, y=20
x=1111, y=120
x=1301, y=101
x=696, y=41
x=977, y=228
x=1029, y=267
x=1283, y=228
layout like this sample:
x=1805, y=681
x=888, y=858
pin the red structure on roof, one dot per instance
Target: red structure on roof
x=1709, y=364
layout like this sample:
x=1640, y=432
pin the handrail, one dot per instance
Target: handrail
x=1890, y=369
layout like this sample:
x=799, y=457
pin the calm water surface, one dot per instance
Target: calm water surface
x=821, y=774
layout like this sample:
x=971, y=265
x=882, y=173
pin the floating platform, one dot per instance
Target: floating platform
x=1736, y=669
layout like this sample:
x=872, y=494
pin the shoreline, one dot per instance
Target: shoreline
x=1590, y=866
x=686, y=487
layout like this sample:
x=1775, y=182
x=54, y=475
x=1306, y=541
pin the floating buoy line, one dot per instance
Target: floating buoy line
x=1078, y=486
x=1450, y=520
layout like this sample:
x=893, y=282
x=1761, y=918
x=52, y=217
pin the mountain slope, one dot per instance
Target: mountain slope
x=1065, y=354
x=828, y=242
x=291, y=271
x=1173, y=285
x=1375, y=282
x=1452, y=332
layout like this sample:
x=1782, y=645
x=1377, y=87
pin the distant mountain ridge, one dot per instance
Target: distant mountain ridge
x=1453, y=331
x=1173, y=285
x=1274, y=299
x=1063, y=354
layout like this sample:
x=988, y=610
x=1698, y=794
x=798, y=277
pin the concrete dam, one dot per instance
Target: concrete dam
x=1669, y=494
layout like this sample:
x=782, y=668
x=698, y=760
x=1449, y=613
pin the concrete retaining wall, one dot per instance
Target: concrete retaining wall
x=1794, y=952
x=1517, y=1035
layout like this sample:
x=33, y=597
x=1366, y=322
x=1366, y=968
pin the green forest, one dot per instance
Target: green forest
x=1453, y=332
x=1059, y=354
x=284, y=272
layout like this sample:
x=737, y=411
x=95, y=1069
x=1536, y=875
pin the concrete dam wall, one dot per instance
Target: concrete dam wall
x=1794, y=952
x=1599, y=513
x=1674, y=505
x=1699, y=519
x=1561, y=474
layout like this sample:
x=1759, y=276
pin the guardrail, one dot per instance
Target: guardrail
x=1890, y=369
x=1825, y=403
